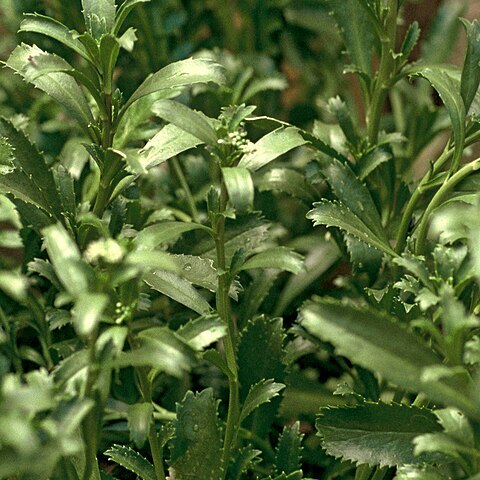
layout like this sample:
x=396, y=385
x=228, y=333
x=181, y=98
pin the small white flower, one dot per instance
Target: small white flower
x=108, y=250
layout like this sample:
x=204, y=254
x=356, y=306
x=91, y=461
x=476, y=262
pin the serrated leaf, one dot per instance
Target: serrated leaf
x=288, y=454
x=99, y=16
x=60, y=86
x=470, y=79
x=287, y=181
x=196, y=446
x=179, y=74
x=203, y=331
x=282, y=258
x=410, y=40
x=447, y=89
x=131, y=460
x=260, y=393
x=178, y=289
x=167, y=143
x=261, y=355
x=335, y=214
x=339, y=109
x=88, y=311
x=239, y=184
x=271, y=146
x=154, y=235
x=358, y=36
x=375, y=433
x=123, y=11
x=140, y=418
x=183, y=117
x=50, y=27
x=375, y=341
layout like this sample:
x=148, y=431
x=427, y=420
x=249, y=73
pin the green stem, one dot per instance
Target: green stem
x=385, y=73
x=175, y=165
x=438, y=199
x=223, y=309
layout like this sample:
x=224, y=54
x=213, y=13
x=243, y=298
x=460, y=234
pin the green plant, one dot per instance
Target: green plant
x=148, y=323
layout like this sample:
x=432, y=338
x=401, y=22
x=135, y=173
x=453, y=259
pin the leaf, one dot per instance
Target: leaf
x=339, y=109
x=154, y=235
x=202, y=331
x=239, y=187
x=161, y=349
x=88, y=311
x=178, y=289
x=410, y=40
x=167, y=143
x=470, y=79
x=282, y=258
x=148, y=260
x=442, y=35
x=447, y=89
x=99, y=16
x=419, y=472
x=335, y=214
x=58, y=85
x=109, y=50
x=183, y=117
x=261, y=392
x=358, y=36
x=261, y=355
x=353, y=194
x=375, y=433
x=258, y=85
x=271, y=146
x=179, y=74
x=375, y=341
x=288, y=181
x=197, y=446
x=123, y=11
x=140, y=418
x=52, y=28
x=288, y=454
x=32, y=180
x=65, y=258
x=131, y=460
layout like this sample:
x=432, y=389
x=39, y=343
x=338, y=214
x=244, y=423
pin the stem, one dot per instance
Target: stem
x=385, y=72
x=223, y=309
x=438, y=198
x=175, y=165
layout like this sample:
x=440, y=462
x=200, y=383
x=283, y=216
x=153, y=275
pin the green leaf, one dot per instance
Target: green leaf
x=282, y=258
x=65, y=257
x=32, y=180
x=335, y=214
x=339, y=109
x=178, y=289
x=375, y=433
x=443, y=33
x=447, y=89
x=140, y=418
x=261, y=355
x=123, y=11
x=161, y=349
x=59, y=85
x=271, y=146
x=358, y=36
x=471, y=66
x=154, y=235
x=131, y=460
x=148, y=260
x=375, y=341
x=288, y=454
x=109, y=50
x=419, y=472
x=258, y=85
x=99, y=16
x=239, y=187
x=353, y=194
x=410, y=40
x=52, y=28
x=260, y=393
x=179, y=74
x=203, y=331
x=192, y=122
x=88, y=311
x=167, y=143
x=287, y=181
x=197, y=445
